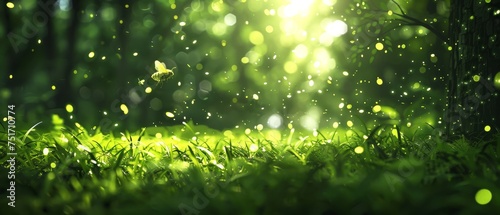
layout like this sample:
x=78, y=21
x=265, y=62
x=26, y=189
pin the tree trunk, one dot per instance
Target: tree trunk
x=64, y=94
x=473, y=99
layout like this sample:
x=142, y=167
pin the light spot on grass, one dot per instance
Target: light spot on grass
x=228, y=133
x=179, y=166
x=69, y=108
x=175, y=138
x=394, y=132
x=348, y=133
x=260, y=127
x=10, y=5
x=254, y=148
x=247, y=131
x=53, y=165
x=148, y=90
x=53, y=87
x=335, y=125
x=376, y=108
x=379, y=81
x=64, y=139
x=158, y=135
x=359, y=150
x=45, y=151
x=83, y=148
x=379, y=46
x=57, y=120
x=483, y=196
x=91, y=54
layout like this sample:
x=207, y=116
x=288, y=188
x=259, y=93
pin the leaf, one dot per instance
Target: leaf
x=208, y=153
x=193, y=158
x=118, y=161
x=388, y=41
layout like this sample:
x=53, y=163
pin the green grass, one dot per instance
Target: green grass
x=192, y=169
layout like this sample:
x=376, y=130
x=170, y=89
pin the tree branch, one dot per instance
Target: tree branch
x=425, y=25
x=415, y=21
x=399, y=6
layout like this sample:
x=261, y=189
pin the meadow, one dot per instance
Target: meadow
x=190, y=169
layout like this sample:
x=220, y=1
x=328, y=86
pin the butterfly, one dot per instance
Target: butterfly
x=162, y=73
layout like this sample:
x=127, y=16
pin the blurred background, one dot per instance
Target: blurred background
x=310, y=64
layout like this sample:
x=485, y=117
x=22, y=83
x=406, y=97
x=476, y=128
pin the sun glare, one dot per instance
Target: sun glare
x=296, y=8
x=336, y=28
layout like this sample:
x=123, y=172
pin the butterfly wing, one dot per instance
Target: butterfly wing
x=160, y=67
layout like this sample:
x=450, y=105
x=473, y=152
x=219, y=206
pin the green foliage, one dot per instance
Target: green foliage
x=236, y=62
x=279, y=75
x=70, y=171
